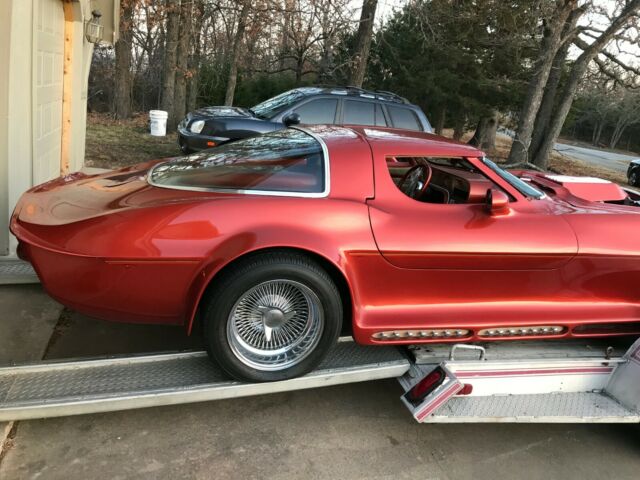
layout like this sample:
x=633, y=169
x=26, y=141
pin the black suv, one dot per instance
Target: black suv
x=211, y=126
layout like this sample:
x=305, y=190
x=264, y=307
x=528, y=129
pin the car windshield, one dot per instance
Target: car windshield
x=520, y=185
x=277, y=104
x=289, y=161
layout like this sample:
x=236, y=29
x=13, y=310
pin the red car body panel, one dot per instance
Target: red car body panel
x=117, y=248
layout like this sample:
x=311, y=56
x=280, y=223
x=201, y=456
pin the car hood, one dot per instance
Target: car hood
x=77, y=197
x=221, y=112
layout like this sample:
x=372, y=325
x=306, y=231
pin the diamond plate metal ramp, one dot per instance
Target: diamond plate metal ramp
x=578, y=407
x=13, y=271
x=102, y=385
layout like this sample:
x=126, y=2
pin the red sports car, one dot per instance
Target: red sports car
x=273, y=242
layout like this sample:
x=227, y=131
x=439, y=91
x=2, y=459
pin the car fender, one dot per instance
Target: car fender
x=350, y=235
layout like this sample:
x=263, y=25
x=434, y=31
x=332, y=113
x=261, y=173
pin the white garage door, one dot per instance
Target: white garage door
x=48, y=74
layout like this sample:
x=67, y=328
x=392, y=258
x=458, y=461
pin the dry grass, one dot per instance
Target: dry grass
x=118, y=143
x=561, y=164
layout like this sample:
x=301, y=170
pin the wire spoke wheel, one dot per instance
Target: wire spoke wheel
x=275, y=325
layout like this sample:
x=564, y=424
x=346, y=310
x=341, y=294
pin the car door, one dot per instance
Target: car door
x=458, y=262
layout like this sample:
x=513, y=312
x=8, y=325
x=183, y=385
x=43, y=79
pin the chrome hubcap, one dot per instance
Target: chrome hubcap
x=275, y=325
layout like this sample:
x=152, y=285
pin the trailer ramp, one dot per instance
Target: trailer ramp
x=102, y=385
x=578, y=383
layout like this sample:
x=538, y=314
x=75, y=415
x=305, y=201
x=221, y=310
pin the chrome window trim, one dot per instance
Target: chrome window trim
x=271, y=193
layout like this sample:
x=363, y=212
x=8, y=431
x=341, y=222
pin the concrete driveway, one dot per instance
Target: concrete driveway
x=598, y=158
x=347, y=432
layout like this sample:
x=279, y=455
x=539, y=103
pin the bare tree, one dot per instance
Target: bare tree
x=590, y=51
x=552, y=41
x=182, y=62
x=548, y=101
x=363, y=42
x=122, y=93
x=170, y=60
x=236, y=51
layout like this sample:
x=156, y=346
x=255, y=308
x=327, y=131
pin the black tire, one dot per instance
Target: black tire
x=185, y=149
x=634, y=178
x=236, y=283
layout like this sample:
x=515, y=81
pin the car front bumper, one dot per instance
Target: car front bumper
x=190, y=141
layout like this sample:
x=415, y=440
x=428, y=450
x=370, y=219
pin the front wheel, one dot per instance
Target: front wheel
x=634, y=178
x=272, y=317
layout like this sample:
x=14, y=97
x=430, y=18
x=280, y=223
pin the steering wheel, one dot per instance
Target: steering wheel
x=416, y=181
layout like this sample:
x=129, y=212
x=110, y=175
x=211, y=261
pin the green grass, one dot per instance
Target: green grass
x=115, y=144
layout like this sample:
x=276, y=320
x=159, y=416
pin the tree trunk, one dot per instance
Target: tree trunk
x=441, y=119
x=578, y=70
x=363, y=42
x=170, y=59
x=485, y=135
x=182, y=62
x=551, y=43
x=548, y=101
x=621, y=126
x=459, y=123
x=195, y=58
x=122, y=95
x=235, y=53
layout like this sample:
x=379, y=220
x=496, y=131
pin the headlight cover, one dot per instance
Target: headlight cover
x=197, y=126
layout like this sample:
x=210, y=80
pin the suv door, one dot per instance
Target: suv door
x=317, y=111
x=362, y=112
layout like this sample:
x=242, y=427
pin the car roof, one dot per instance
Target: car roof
x=386, y=140
x=350, y=91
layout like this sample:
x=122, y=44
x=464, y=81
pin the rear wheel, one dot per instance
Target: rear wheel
x=272, y=317
x=634, y=178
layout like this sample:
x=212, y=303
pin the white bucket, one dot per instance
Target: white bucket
x=158, y=122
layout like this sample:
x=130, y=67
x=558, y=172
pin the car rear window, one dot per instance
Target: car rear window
x=403, y=118
x=286, y=161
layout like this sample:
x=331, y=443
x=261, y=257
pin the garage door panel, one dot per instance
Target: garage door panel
x=48, y=70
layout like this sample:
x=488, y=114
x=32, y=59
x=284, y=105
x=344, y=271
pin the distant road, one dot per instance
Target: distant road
x=599, y=158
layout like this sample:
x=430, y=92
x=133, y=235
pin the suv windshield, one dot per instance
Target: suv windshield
x=277, y=104
x=520, y=185
x=290, y=161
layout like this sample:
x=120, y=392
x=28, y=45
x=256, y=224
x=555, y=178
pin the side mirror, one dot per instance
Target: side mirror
x=291, y=119
x=497, y=202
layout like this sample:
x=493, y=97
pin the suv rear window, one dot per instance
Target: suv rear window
x=286, y=161
x=403, y=118
x=359, y=113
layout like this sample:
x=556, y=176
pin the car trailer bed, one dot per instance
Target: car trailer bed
x=534, y=381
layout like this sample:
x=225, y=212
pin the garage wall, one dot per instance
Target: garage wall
x=33, y=144
x=16, y=155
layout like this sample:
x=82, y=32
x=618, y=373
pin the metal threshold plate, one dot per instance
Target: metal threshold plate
x=16, y=271
x=582, y=407
x=103, y=385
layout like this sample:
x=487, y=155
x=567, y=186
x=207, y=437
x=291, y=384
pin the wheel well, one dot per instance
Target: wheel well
x=334, y=272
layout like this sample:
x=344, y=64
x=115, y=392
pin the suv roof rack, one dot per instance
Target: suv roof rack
x=376, y=94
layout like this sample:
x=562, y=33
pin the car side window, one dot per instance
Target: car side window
x=439, y=180
x=358, y=113
x=380, y=120
x=321, y=110
x=403, y=118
